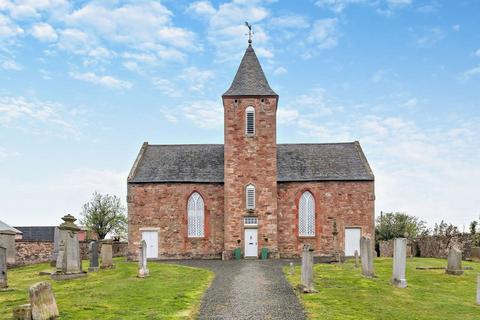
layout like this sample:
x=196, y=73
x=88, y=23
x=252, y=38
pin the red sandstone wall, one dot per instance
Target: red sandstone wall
x=251, y=160
x=350, y=203
x=164, y=206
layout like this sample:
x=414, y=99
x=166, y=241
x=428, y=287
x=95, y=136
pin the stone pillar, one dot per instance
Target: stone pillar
x=336, y=253
x=366, y=253
x=93, y=255
x=399, y=263
x=106, y=254
x=69, y=260
x=356, y=258
x=142, y=260
x=454, y=266
x=307, y=270
x=42, y=302
x=55, y=247
x=3, y=268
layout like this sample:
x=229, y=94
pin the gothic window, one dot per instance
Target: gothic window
x=250, y=197
x=250, y=121
x=306, y=215
x=196, y=216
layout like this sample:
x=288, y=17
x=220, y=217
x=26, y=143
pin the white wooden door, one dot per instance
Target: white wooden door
x=251, y=246
x=352, y=241
x=151, y=238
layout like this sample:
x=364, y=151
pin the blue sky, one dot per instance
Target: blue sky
x=83, y=84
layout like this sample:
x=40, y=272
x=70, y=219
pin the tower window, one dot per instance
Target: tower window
x=250, y=197
x=250, y=121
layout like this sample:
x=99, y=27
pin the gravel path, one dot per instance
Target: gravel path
x=248, y=289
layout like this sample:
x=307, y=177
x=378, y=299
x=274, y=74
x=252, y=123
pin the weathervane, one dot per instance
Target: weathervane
x=250, y=32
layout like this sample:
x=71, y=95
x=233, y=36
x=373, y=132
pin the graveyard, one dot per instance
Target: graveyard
x=170, y=291
x=343, y=293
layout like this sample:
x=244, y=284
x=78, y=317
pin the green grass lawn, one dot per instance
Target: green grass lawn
x=171, y=292
x=431, y=294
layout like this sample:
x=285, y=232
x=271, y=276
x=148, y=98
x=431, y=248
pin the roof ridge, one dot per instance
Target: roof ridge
x=185, y=144
x=315, y=143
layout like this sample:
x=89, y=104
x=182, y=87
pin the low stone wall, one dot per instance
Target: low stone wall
x=31, y=252
x=432, y=246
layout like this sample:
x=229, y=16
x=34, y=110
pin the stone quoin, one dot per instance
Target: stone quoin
x=249, y=194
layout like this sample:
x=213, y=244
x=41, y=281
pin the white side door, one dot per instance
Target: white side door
x=352, y=241
x=251, y=246
x=151, y=238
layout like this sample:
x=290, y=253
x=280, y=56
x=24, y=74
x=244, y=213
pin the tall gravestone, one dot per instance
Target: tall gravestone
x=93, y=256
x=69, y=262
x=53, y=263
x=366, y=253
x=307, y=284
x=356, y=258
x=42, y=302
x=142, y=260
x=399, y=263
x=3, y=268
x=454, y=265
x=106, y=253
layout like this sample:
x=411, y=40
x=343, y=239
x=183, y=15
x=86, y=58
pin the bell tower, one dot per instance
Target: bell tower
x=250, y=160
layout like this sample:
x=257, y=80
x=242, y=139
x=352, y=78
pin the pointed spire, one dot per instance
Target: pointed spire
x=250, y=79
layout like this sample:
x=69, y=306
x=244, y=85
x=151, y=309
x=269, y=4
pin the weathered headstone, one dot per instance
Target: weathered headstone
x=3, y=268
x=307, y=285
x=69, y=262
x=106, y=254
x=399, y=262
x=93, y=255
x=478, y=289
x=142, y=260
x=366, y=253
x=454, y=265
x=42, y=302
x=53, y=263
x=292, y=269
x=356, y=258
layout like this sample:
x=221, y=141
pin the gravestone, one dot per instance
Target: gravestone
x=478, y=289
x=454, y=265
x=53, y=263
x=69, y=262
x=356, y=258
x=42, y=302
x=292, y=269
x=366, y=253
x=3, y=269
x=93, y=255
x=106, y=254
x=142, y=260
x=307, y=285
x=399, y=262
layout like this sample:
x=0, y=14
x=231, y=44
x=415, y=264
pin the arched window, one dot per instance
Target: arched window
x=250, y=197
x=196, y=216
x=250, y=121
x=306, y=215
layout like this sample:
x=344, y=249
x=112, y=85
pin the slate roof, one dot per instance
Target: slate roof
x=37, y=233
x=250, y=79
x=5, y=227
x=295, y=162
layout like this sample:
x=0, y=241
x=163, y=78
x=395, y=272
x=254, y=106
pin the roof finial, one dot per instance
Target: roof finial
x=250, y=32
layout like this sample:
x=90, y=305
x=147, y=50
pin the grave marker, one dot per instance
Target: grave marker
x=399, y=262
x=93, y=255
x=142, y=260
x=42, y=302
x=454, y=266
x=366, y=253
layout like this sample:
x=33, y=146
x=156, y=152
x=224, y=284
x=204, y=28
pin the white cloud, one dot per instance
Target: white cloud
x=324, y=33
x=337, y=6
x=35, y=116
x=410, y=103
x=287, y=115
x=44, y=32
x=471, y=73
x=205, y=114
x=280, y=71
x=167, y=87
x=5, y=154
x=399, y=3
x=197, y=78
x=290, y=21
x=429, y=38
x=106, y=81
x=456, y=28
x=202, y=8
x=168, y=115
x=380, y=75
x=8, y=29
x=9, y=64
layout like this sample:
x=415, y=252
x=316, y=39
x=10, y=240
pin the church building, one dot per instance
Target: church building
x=250, y=193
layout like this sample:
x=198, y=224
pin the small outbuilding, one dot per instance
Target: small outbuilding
x=7, y=240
